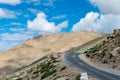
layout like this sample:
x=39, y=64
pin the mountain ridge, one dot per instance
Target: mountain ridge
x=37, y=47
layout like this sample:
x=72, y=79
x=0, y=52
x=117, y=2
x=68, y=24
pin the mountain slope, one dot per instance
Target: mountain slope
x=1, y=52
x=107, y=53
x=33, y=49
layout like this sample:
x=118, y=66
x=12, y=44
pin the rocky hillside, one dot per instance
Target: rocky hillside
x=51, y=68
x=107, y=52
x=37, y=47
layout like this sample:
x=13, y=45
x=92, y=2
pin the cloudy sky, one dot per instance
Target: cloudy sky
x=24, y=19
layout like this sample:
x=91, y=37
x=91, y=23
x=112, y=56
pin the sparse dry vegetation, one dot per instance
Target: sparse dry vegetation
x=107, y=52
x=49, y=69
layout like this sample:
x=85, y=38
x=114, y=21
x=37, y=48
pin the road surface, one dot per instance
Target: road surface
x=74, y=61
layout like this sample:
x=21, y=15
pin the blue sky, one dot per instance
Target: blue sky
x=24, y=19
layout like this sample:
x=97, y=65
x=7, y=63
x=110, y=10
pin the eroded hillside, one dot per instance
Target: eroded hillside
x=33, y=49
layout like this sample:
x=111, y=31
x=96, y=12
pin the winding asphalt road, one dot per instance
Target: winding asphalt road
x=74, y=61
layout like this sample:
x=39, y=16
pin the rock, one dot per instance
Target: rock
x=84, y=76
x=115, y=51
x=50, y=56
x=114, y=66
x=47, y=63
x=55, y=64
x=116, y=32
x=62, y=78
x=55, y=55
x=16, y=78
x=17, y=74
x=112, y=36
x=23, y=75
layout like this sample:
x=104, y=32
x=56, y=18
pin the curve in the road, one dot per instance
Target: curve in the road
x=74, y=61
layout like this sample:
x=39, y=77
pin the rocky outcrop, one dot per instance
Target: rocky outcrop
x=116, y=52
x=107, y=52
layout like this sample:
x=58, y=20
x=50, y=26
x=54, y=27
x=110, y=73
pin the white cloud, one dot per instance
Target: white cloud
x=34, y=11
x=49, y=3
x=10, y=2
x=16, y=36
x=5, y=45
x=62, y=25
x=35, y=2
x=42, y=2
x=17, y=29
x=98, y=22
x=17, y=24
x=5, y=13
x=40, y=23
x=8, y=40
x=59, y=17
x=107, y=6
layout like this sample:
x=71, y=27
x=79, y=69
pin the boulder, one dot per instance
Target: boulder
x=116, y=32
x=62, y=78
x=115, y=51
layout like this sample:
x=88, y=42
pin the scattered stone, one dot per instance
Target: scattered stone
x=115, y=51
x=116, y=32
x=62, y=78
x=23, y=75
x=107, y=53
x=14, y=78
x=55, y=64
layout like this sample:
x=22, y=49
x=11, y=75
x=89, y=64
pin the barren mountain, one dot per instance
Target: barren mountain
x=37, y=47
x=107, y=53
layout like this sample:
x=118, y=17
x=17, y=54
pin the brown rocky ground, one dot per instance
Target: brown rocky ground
x=33, y=49
x=107, y=53
x=52, y=68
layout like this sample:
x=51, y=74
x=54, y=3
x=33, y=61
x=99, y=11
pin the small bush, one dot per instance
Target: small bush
x=103, y=42
x=48, y=73
x=35, y=76
x=63, y=68
x=53, y=61
x=30, y=70
x=77, y=77
x=36, y=72
x=45, y=69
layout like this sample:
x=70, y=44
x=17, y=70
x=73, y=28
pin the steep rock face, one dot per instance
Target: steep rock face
x=107, y=52
x=35, y=48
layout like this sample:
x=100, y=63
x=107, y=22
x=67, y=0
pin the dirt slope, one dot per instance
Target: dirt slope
x=31, y=50
x=107, y=53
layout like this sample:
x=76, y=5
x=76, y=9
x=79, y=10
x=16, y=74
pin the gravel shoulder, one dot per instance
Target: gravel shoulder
x=98, y=66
